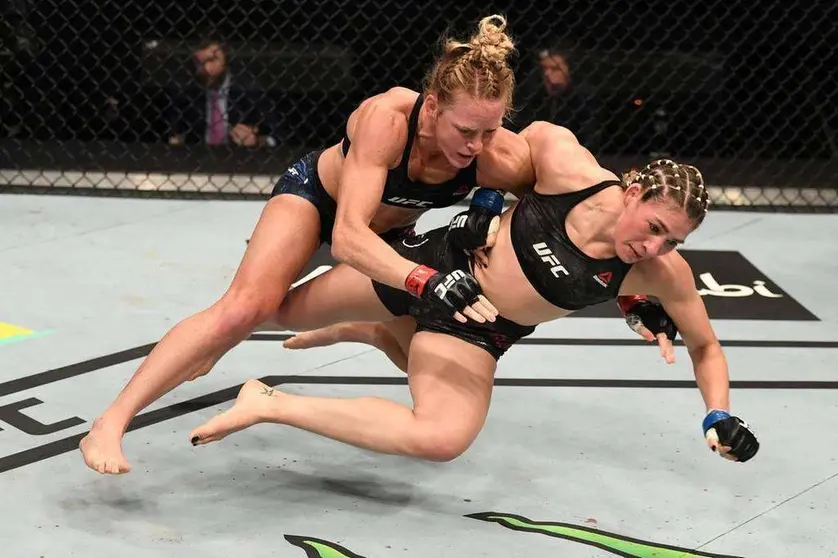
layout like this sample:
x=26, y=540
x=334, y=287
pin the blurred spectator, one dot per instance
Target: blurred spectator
x=554, y=94
x=220, y=107
x=555, y=72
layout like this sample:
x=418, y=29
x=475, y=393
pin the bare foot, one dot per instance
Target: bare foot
x=252, y=407
x=102, y=450
x=323, y=337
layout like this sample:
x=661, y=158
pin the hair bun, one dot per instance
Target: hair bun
x=491, y=43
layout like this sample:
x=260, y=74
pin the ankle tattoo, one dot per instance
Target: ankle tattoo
x=268, y=391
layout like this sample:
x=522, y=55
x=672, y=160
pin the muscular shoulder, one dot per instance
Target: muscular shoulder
x=505, y=163
x=561, y=163
x=380, y=124
x=545, y=138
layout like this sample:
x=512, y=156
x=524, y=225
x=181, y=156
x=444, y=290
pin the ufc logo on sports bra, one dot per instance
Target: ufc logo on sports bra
x=410, y=202
x=550, y=258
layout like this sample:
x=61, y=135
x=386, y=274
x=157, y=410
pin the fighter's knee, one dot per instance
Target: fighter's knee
x=239, y=312
x=441, y=445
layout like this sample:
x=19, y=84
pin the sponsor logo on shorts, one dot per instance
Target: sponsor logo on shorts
x=415, y=241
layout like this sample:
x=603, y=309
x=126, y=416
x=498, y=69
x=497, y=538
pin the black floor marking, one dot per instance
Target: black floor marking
x=65, y=445
x=68, y=444
x=77, y=369
x=92, y=365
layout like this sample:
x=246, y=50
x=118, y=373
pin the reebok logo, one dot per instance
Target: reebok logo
x=603, y=278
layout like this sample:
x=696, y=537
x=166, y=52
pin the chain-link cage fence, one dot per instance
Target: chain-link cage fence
x=112, y=95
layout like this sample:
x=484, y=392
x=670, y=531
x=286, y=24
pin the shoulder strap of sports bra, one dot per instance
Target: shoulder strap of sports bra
x=585, y=193
x=412, y=124
x=596, y=188
x=344, y=145
x=411, y=131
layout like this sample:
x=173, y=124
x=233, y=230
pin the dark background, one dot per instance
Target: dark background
x=748, y=87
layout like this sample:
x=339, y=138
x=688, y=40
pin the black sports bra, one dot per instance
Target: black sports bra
x=560, y=272
x=401, y=191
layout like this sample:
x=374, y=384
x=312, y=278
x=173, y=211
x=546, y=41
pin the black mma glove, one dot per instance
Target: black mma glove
x=638, y=311
x=468, y=230
x=721, y=429
x=451, y=291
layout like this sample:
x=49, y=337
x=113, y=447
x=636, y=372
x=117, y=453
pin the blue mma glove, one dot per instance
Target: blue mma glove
x=723, y=431
x=469, y=229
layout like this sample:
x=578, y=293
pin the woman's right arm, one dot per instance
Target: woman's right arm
x=378, y=140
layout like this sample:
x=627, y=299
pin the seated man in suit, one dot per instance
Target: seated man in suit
x=220, y=108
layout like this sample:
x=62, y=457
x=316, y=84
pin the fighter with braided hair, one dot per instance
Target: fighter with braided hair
x=470, y=231
x=580, y=237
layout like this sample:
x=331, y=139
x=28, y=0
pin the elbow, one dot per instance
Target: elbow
x=344, y=241
x=340, y=248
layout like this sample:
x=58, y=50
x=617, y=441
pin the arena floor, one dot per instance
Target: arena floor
x=593, y=445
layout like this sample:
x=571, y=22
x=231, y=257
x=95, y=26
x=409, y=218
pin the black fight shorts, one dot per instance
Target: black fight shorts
x=432, y=249
x=301, y=179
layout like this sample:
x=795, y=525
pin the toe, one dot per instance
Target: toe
x=200, y=436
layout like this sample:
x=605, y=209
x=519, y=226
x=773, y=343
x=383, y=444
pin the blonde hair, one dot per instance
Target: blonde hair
x=479, y=67
x=681, y=184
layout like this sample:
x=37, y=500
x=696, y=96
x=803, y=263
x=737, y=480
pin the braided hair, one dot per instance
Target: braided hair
x=666, y=180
